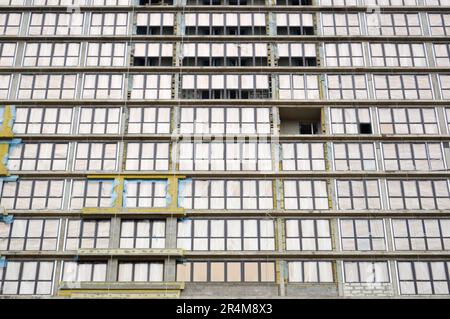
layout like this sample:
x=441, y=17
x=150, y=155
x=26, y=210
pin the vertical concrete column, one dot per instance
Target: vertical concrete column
x=112, y=270
x=394, y=277
x=114, y=239
x=340, y=276
x=170, y=269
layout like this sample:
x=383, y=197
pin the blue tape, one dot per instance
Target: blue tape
x=181, y=185
x=7, y=219
x=12, y=178
x=3, y=262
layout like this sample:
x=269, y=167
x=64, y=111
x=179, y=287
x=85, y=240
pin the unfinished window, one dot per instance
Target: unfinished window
x=142, y=233
x=38, y=157
x=50, y=23
x=106, y=54
x=226, y=194
x=145, y=193
x=87, y=234
x=47, y=86
x=298, y=87
x=424, y=277
x=51, y=54
x=103, y=86
x=418, y=194
x=305, y=195
x=99, y=120
x=403, y=87
x=354, y=157
x=32, y=194
x=96, y=157
x=303, y=156
x=366, y=272
x=358, y=194
x=408, y=121
x=294, y=23
x=225, y=23
x=154, y=23
x=153, y=54
x=225, y=120
x=84, y=271
x=296, y=54
x=7, y=54
x=226, y=234
x=108, y=24
x=42, y=120
x=393, y=24
x=147, y=156
x=310, y=271
x=226, y=271
x=351, y=121
x=442, y=54
x=29, y=234
x=340, y=24
x=27, y=278
x=151, y=86
x=421, y=234
x=4, y=86
x=149, y=120
x=362, y=234
x=228, y=156
x=91, y=193
x=413, y=157
x=344, y=54
x=398, y=54
x=141, y=271
x=308, y=234
x=439, y=24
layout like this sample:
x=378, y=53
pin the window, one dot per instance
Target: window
x=393, y=24
x=338, y=2
x=7, y=53
x=147, y=156
x=42, y=120
x=346, y=87
x=294, y=23
x=32, y=194
x=226, y=234
x=99, y=120
x=47, y=86
x=38, y=157
x=145, y=193
x=305, y=194
x=154, y=23
x=109, y=24
x=225, y=23
x=226, y=271
x=403, y=87
x=4, y=86
x=439, y=23
x=358, y=194
x=398, y=54
x=340, y=24
x=151, y=86
x=442, y=54
x=10, y=23
x=229, y=156
x=153, y=54
x=362, y=234
x=413, y=156
x=354, y=157
x=51, y=54
x=424, y=277
x=106, y=54
x=84, y=271
x=149, y=120
x=296, y=54
x=103, y=86
x=298, y=87
x=96, y=157
x=59, y=2
x=408, y=121
x=141, y=272
x=229, y=120
x=91, y=193
x=418, y=194
x=308, y=234
x=11, y=2
x=392, y=2
x=27, y=278
x=444, y=81
x=50, y=23
x=366, y=272
x=351, y=121
x=142, y=233
x=29, y=234
x=110, y=2
x=344, y=54
x=87, y=234
x=447, y=115
x=421, y=234
x=303, y=156
x=310, y=271
x=436, y=2
x=226, y=194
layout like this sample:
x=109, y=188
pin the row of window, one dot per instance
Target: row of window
x=229, y=234
x=414, y=277
x=228, y=194
x=232, y=156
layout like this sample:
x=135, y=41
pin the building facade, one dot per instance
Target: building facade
x=224, y=148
